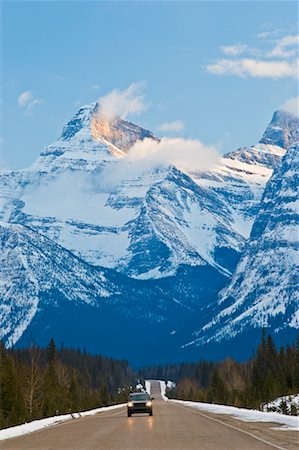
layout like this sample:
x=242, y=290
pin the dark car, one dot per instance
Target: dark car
x=140, y=402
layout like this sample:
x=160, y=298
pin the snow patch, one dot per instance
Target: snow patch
x=246, y=415
x=36, y=425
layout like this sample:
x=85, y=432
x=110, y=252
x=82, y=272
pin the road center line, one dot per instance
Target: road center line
x=230, y=426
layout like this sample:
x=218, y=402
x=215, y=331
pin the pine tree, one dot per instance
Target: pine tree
x=32, y=383
x=217, y=392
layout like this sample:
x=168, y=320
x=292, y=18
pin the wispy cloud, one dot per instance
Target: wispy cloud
x=255, y=68
x=176, y=126
x=291, y=105
x=121, y=103
x=286, y=47
x=280, y=61
x=28, y=101
x=234, y=50
x=187, y=155
x=275, y=32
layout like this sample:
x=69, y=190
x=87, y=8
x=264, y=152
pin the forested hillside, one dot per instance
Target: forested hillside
x=39, y=382
x=269, y=374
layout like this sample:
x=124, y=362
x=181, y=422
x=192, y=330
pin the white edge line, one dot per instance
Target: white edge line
x=41, y=424
x=231, y=426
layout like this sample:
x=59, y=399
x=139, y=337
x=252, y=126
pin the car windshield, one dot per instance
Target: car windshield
x=137, y=397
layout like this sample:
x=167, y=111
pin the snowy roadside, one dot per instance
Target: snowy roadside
x=165, y=385
x=287, y=404
x=148, y=387
x=36, y=425
x=246, y=415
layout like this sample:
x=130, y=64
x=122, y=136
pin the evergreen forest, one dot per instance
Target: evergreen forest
x=42, y=382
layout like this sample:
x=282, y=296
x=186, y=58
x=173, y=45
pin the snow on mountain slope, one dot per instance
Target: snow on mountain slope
x=157, y=247
x=31, y=264
x=149, y=224
x=86, y=142
x=46, y=291
x=241, y=176
x=179, y=223
x=80, y=148
x=263, y=291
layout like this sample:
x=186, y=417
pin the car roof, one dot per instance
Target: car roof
x=138, y=393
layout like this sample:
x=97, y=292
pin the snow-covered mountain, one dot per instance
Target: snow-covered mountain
x=282, y=131
x=46, y=291
x=156, y=246
x=31, y=265
x=149, y=224
x=263, y=291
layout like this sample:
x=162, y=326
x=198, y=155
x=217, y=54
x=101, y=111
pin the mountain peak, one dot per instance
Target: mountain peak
x=282, y=130
x=281, y=133
x=117, y=131
x=92, y=134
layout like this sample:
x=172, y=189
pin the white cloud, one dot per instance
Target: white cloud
x=187, y=155
x=258, y=65
x=122, y=103
x=175, y=126
x=282, y=48
x=255, y=68
x=272, y=33
x=291, y=105
x=27, y=101
x=234, y=50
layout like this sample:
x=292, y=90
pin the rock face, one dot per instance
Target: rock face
x=263, y=291
x=156, y=246
x=283, y=130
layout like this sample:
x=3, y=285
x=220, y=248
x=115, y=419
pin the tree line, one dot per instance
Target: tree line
x=42, y=382
x=269, y=374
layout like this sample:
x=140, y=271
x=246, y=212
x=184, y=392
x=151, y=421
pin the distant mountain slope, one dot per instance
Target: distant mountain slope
x=46, y=291
x=263, y=291
x=31, y=264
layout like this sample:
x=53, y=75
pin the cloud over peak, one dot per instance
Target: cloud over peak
x=186, y=155
x=121, y=103
x=291, y=106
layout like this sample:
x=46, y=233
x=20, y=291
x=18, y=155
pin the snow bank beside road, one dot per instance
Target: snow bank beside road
x=247, y=415
x=163, y=386
x=148, y=387
x=283, y=405
x=36, y=425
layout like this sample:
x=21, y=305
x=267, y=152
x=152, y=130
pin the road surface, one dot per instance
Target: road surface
x=172, y=427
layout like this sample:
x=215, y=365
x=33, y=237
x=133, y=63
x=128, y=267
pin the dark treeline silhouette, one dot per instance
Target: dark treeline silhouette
x=39, y=382
x=270, y=373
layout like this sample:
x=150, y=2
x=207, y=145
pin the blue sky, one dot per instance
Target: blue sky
x=216, y=69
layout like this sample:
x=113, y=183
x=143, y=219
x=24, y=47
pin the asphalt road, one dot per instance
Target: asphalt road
x=172, y=427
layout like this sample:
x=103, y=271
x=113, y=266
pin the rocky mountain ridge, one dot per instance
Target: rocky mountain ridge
x=161, y=232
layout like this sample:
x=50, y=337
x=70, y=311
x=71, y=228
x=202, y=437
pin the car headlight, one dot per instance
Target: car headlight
x=130, y=404
x=148, y=403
